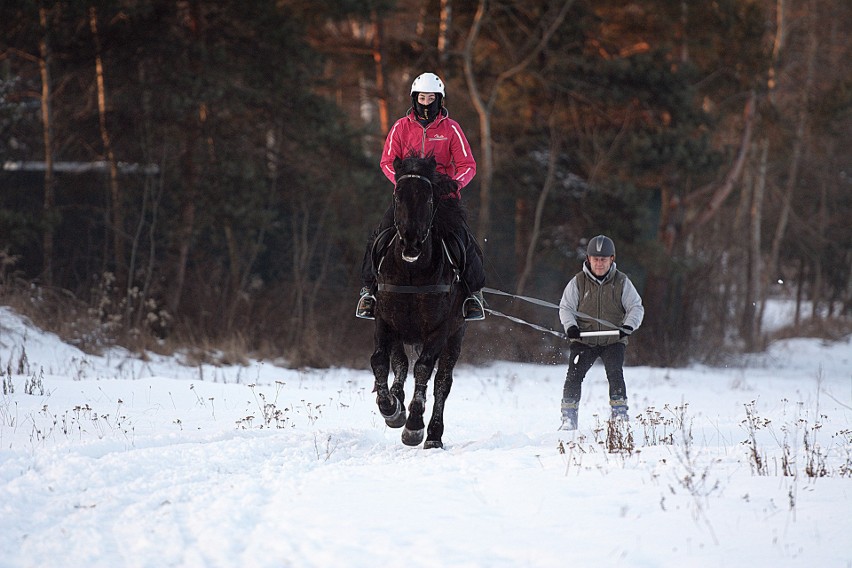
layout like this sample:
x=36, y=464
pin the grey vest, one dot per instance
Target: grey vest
x=603, y=301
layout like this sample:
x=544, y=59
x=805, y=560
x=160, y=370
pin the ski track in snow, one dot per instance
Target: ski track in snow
x=150, y=464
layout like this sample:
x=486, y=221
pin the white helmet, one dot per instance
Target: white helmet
x=427, y=83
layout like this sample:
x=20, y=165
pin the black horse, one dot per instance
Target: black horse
x=419, y=299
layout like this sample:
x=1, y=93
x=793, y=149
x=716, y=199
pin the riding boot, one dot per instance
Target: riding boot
x=474, y=307
x=569, y=415
x=366, y=304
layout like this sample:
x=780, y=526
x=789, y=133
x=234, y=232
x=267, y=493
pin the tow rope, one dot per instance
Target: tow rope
x=546, y=304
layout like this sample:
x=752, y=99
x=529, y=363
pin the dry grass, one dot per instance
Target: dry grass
x=266, y=329
x=830, y=329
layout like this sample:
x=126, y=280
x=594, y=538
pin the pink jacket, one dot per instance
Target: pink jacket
x=443, y=138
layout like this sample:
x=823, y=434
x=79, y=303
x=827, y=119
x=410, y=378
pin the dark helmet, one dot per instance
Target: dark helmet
x=600, y=246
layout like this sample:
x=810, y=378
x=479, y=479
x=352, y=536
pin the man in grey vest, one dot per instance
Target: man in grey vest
x=599, y=298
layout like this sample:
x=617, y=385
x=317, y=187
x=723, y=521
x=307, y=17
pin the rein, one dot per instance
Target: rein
x=433, y=289
x=434, y=208
x=416, y=176
x=429, y=289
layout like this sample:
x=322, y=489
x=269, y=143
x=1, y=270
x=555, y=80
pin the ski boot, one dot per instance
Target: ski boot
x=619, y=409
x=569, y=415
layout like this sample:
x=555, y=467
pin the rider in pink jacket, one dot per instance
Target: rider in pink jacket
x=443, y=137
x=426, y=130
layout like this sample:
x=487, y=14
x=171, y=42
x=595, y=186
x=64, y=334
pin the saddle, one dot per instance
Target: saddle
x=454, y=249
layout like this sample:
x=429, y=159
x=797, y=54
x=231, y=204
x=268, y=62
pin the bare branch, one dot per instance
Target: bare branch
x=727, y=186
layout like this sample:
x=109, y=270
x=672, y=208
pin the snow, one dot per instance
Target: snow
x=115, y=461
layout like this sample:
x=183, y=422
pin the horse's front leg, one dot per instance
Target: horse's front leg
x=412, y=434
x=399, y=364
x=380, y=363
x=443, y=384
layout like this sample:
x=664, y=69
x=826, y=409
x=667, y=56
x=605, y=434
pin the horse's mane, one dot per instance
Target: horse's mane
x=451, y=213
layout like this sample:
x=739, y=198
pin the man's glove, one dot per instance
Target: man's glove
x=573, y=332
x=624, y=331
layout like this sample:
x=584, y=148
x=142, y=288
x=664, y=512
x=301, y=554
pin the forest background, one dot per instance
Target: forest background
x=203, y=175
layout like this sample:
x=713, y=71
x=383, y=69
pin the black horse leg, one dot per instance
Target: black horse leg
x=412, y=434
x=399, y=364
x=380, y=363
x=443, y=384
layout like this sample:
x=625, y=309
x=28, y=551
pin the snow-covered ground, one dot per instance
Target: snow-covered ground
x=113, y=461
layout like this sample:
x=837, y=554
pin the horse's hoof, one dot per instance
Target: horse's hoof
x=395, y=419
x=432, y=444
x=412, y=437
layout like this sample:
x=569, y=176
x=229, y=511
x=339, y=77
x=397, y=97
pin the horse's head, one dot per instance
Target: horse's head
x=414, y=204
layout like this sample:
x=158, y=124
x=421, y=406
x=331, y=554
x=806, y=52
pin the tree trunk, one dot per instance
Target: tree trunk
x=47, y=131
x=670, y=224
x=444, y=26
x=777, y=47
x=484, y=108
x=727, y=186
x=152, y=198
x=751, y=323
x=800, y=291
x=306, y=240
x=818, y=291
x=522, y=234
x=485, y=163
x=684, y=25
x=189, y=178
x=190, y=14
x=798, y=143
x=768, y=275
x=381, y=89
x=846, y=309
x=555, y=148
x=117, y=208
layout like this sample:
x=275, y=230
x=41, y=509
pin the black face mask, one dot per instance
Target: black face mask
x=429, y=112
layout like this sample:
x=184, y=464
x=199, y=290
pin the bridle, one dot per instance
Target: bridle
x=434, y=209
x=417, y=176
x=429, y=289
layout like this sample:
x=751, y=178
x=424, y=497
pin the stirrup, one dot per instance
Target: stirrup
x=366, y=305
x=472, y=309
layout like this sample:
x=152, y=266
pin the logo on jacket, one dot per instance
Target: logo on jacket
x=438, y=138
